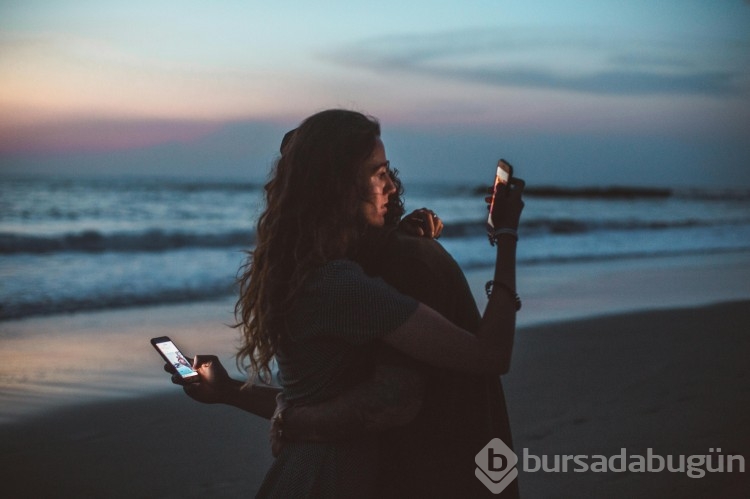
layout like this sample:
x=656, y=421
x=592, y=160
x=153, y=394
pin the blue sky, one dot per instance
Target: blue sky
x=580, y=92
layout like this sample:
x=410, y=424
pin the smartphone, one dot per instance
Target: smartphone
x=174, y=357
x=502, y=176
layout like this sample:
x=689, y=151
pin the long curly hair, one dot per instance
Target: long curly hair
x=312, y=216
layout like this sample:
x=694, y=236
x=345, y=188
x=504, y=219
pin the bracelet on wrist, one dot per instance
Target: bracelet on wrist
x=278, y=422
x=495, y=234
x=489, y=287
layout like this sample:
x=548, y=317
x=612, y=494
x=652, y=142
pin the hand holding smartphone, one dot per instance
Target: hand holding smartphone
x=169, y=352
x=502, y=177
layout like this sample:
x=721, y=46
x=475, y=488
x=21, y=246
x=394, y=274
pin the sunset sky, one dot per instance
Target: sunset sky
x=580, y=92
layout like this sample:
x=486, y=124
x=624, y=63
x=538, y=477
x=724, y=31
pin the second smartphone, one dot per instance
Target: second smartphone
x=169, y=352
x=503, y=175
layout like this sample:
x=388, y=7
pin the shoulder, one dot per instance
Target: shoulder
x=405, y=249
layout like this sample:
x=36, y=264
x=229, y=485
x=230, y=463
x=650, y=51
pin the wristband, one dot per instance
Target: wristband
x=491, y=284
x=278, y=422
x=498, y=232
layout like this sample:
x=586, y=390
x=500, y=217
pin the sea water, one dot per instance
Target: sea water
x=92, y=268
x=75, y=244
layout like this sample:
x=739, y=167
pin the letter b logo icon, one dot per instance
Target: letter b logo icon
x=496, y=465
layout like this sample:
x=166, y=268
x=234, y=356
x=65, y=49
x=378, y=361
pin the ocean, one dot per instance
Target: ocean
x=81, y=244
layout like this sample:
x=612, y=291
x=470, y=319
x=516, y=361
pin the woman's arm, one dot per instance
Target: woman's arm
x=392, y=396
x=429, y=337
x=217, y=387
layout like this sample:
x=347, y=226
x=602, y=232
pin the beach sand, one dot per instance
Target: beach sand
x=674, y=380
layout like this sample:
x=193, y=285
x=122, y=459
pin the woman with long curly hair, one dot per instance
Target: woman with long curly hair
x=305, y=302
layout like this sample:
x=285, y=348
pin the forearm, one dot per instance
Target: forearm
x=255, y=399
x=391, y=397
x=497, y=329
x=498, y=325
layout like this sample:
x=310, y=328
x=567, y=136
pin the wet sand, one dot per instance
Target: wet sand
x=675, y=381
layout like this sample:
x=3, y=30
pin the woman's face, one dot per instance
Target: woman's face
x=378, y=186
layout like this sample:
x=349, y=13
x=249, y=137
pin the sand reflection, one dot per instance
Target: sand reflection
x=74, y=358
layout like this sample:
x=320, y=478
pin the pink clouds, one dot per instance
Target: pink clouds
x=98, y=135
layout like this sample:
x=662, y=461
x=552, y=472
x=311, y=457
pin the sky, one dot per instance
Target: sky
x=589, y=92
